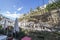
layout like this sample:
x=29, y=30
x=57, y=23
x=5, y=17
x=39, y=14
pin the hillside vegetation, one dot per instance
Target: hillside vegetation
x=49, y=14
x=41, y=12
x=54, y=5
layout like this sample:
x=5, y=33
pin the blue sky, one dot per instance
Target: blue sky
x=15, y=8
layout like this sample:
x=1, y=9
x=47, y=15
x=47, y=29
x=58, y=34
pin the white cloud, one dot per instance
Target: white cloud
x=8, y=12
x=12, y=15
x=19, y=9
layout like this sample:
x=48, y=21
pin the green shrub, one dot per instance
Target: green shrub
x=0, y=26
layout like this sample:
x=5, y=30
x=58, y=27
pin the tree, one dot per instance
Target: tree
x=31, y=10
x=54, y=5
x=38, y=8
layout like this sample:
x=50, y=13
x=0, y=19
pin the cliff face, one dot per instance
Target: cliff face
x=51, y=18
x=55, y=16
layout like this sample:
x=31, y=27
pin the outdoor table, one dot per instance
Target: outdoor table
x=3, y=37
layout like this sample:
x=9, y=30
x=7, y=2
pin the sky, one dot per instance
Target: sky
x=14, y=8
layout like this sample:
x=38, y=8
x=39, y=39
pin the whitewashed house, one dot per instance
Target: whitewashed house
x=9, y=21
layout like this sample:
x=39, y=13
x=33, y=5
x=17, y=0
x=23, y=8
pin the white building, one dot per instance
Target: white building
x=43, y=7
x=10, y=22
